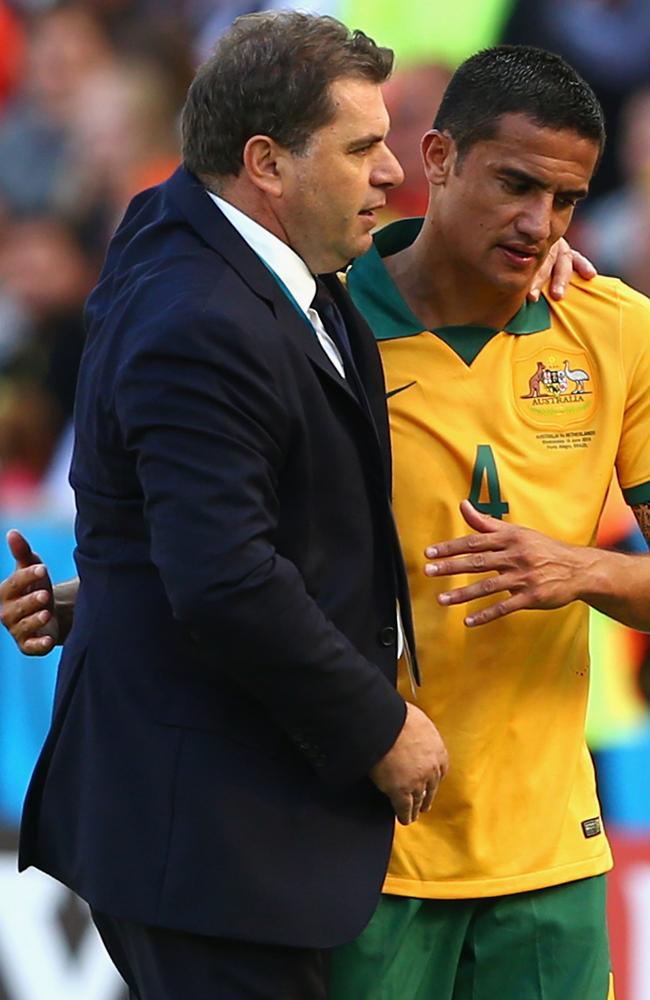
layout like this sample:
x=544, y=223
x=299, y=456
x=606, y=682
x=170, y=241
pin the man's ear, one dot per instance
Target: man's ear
x=260, y=157
x=439, y=154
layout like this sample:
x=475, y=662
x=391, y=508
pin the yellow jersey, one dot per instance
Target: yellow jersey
x=528, y=422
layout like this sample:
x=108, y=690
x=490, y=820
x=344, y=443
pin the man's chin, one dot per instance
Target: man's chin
x=514, y=284
x=343, y=255
x=361, y=246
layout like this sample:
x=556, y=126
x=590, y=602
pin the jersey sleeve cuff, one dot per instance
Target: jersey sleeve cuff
x=637, y=494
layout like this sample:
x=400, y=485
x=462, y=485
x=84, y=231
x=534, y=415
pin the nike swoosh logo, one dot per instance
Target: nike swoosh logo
x=393, y=392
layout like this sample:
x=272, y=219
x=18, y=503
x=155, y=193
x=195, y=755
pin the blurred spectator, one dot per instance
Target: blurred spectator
x=608, y=42
x=63, y=46
x=11, y=52
x=93, y=119
x=28, y=431
x=412, y=97
x=616, y=227
x=165, y=46
x=124, y=137
x=44, y=272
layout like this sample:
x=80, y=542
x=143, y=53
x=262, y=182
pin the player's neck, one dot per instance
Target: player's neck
x=441, y=293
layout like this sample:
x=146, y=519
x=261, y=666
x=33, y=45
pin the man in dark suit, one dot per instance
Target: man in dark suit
x=228, y=750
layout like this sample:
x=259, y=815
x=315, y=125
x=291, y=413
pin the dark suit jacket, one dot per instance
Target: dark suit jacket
x=229, y=679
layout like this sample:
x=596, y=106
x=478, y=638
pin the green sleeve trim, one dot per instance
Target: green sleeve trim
x=637, y=494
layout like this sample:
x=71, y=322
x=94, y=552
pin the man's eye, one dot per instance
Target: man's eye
x=514, y=186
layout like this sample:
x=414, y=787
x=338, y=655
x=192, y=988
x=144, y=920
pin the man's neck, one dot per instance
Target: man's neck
x=440, y=293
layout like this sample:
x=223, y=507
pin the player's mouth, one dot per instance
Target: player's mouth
x=519, y=255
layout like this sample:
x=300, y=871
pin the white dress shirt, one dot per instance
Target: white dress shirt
x=288, y=266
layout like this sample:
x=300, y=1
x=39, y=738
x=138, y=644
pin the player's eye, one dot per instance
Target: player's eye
x=514, y=185
x=566, y=201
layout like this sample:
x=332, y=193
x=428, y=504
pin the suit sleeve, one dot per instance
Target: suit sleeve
x=201, y=410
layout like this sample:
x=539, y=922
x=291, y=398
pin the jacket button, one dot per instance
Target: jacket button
x=386, y=636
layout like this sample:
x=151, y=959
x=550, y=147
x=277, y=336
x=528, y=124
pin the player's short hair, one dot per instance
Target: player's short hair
x=270, y=74
x=517, y=79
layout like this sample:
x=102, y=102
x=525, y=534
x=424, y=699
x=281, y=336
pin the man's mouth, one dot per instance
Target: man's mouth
x=519, y=254
x=370, y=212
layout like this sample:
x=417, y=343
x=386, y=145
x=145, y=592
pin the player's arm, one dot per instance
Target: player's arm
x=38, y=615
x=532, y=571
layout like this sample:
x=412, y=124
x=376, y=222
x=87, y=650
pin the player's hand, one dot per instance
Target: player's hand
x=558, y=265
x=27, y=600
x=409, y=774
x=537, y=572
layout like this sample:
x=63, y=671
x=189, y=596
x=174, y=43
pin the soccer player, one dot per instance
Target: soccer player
x=524, y=410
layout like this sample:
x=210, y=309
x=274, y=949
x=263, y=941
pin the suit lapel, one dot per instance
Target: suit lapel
x=300, y=330
x=188, y=194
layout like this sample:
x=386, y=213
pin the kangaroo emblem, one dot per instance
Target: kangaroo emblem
x=535, y=381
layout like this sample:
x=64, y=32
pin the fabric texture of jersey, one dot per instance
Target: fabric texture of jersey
x=528, y=422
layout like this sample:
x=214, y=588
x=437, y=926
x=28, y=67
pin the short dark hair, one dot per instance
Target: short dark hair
x=517, y=79
x=270, y=74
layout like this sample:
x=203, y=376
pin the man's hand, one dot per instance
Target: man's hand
x=27, y=600
x=537, y=571
x=559, y=264
x=409, y=774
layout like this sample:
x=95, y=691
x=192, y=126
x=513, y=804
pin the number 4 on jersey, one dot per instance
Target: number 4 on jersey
x=485, y=482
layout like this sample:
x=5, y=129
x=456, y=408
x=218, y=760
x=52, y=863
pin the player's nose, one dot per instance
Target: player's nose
x=535, y=221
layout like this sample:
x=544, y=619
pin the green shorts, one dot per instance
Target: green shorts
x=550, y=944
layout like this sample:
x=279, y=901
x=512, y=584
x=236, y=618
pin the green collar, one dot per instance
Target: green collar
x=377, y=297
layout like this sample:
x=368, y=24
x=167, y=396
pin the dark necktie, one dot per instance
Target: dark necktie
x=332, y=320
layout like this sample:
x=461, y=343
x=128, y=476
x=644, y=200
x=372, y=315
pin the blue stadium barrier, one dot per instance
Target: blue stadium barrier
x=27, y=684
x=623, y=782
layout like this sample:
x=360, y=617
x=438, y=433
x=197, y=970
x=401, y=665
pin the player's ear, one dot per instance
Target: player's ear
x=439, y=154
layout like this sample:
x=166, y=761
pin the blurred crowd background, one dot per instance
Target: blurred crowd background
x=90, y=95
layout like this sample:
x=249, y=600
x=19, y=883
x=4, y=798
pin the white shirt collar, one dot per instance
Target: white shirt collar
x=279, y=256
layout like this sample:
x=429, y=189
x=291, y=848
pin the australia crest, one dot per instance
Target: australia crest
x=556, y=387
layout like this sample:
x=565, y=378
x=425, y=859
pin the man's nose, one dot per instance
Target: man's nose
x=388, y=171
x=536, y=220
